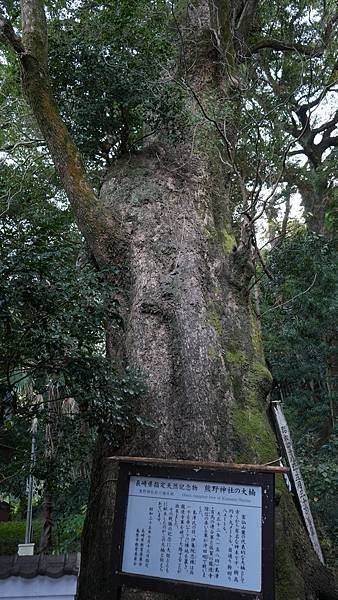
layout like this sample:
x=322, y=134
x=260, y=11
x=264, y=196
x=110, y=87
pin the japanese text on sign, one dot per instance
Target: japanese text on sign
x=194, y=531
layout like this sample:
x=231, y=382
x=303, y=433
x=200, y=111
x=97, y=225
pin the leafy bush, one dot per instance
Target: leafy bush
x=12, y=533
x=69, y=532
x=53, y=364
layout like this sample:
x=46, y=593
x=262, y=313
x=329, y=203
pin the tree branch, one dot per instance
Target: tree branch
x=296, y=152
x=8, y=35
x=95, y=225
x=328, y=125
x=316, y=101
x=282, y=46
x=280, y=305
x=12, y=147
x=330, y=28
x=34, y=30
x=328, y=143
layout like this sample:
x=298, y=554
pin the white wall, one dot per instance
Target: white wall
x=40, y=587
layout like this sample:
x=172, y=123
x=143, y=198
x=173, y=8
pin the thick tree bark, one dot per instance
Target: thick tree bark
x=317, y=197
x=188, y=321
x=189, y=324
x=192, y=332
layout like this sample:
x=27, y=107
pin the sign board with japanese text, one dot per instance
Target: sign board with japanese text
x=196, y=530
x=286, y=441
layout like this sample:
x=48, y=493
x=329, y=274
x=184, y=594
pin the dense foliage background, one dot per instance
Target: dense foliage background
x=53, y=365
x=299, y=317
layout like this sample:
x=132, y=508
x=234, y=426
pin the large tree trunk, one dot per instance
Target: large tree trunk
x=192, y=332
x=189, y=324
x=316, y=199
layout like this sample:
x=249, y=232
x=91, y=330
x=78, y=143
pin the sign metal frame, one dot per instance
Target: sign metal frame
x=264, y=479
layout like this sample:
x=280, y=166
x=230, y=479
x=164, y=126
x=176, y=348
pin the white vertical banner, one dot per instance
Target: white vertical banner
x=285, y=436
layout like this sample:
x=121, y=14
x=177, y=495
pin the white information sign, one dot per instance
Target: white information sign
x=194, y=531
x=297, y=477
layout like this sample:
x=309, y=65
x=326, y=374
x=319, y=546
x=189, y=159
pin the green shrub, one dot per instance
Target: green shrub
x=69, y=531
x=12, y=533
